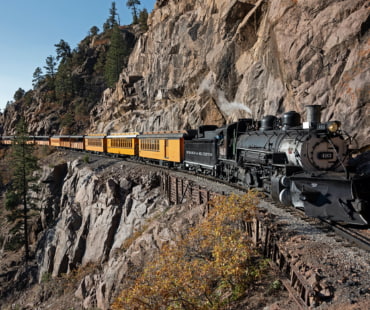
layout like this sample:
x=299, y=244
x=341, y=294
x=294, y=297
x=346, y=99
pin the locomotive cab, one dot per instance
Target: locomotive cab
x=230, y=135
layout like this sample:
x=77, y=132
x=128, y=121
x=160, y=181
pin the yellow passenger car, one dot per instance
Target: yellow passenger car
x=163, y=146
x=55, y=141
x=123, y=143
x=96, y=143
x=65, y=141
x=42, y=140
x=74, y=142
x=77, y=142
x=7, y=140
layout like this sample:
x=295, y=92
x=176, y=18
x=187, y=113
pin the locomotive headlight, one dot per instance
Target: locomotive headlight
x=333, y=126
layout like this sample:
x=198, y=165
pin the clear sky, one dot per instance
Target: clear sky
x=29, y=29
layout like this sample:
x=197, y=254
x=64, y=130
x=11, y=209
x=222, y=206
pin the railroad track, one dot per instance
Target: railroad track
x=355, y=235
x=359, y=237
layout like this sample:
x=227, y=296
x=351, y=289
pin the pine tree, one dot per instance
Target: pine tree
x=63, y=51
x=143, y=19
x=50, y=66
x=93, y=31
x=132, y=4
x=37, y=77
x=113, y=14
x=19, y=94
x=116, y=55
x=18, y=200
x=50, y=77
x=111, y=21
x=65, y=86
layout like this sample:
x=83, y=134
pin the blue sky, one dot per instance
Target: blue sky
x=29, y=30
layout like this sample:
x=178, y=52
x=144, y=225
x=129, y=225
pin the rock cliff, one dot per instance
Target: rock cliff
x=103, y=215
x=210, y=62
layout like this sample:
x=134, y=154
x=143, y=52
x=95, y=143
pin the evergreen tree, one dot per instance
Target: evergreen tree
x=113, y=14
x=116, y=55
x=18, y=95
x=50, y=66
x=106, y=26
x=18, y=200
x=50, y=78
x=63, y=51
x=111, y=21
x=37, y=77
x=143, y=19
x=94, y=31
x=131, y=4
x=64, y=83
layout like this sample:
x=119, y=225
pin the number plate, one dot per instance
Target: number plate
x=325, y=155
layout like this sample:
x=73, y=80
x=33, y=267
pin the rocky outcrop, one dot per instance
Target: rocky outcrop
x=204, y=62
x=104, y=214
x=162, y=226
x=91, y=210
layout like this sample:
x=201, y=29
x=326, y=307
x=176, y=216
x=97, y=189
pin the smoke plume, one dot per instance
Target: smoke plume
x=208, y=87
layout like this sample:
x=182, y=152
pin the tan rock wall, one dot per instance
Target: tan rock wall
x=204, y=62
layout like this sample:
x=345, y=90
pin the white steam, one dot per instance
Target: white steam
x=226, y=107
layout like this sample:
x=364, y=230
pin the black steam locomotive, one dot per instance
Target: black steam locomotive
x=307, y=165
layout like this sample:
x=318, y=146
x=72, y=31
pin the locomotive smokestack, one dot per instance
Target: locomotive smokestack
x=313, y=115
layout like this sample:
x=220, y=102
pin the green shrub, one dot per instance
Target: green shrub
x=14, y=243
x=86, y=159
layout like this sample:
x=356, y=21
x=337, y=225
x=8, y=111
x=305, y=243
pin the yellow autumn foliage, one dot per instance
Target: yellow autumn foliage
x=208, y=269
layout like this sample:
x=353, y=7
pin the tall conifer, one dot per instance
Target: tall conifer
x=18, y=199
x=133, y=5
x=116, y=57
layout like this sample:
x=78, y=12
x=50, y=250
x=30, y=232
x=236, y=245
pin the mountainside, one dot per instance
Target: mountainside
x=103, y=220
x=211, y=62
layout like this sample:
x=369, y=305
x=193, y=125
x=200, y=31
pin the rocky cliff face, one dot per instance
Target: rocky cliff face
x=106, y=216
x=210, y=62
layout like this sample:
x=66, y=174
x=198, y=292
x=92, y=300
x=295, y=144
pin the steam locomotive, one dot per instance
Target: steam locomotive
x=308, y=165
